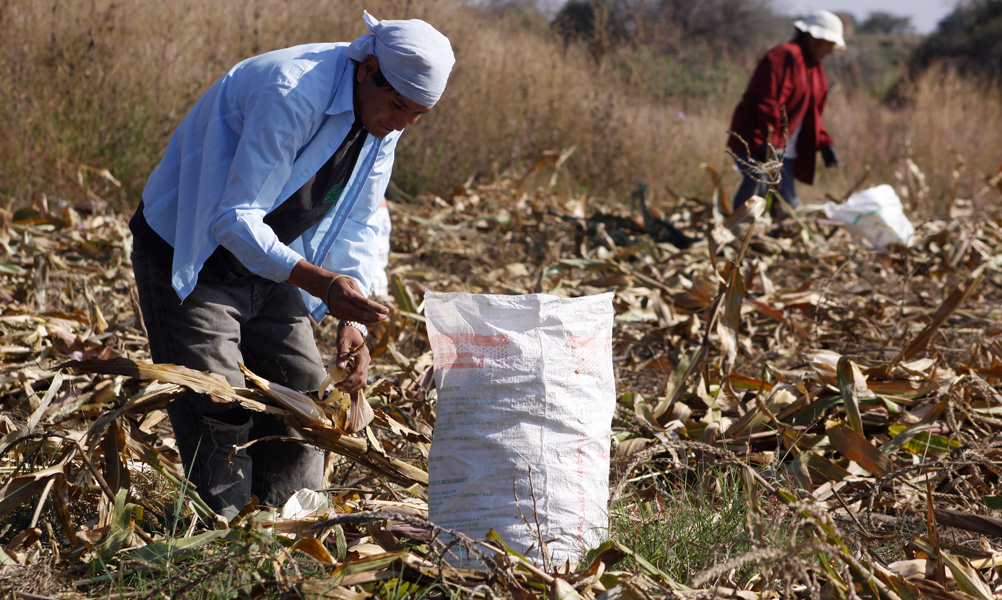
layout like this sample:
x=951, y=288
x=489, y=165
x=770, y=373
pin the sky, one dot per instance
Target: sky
x=925, y=14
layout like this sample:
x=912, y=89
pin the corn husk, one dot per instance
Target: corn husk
x=360, y=414
x=299, y=403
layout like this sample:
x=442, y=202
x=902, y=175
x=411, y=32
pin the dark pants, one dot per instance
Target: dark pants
x=751, y=186
x=261, y=324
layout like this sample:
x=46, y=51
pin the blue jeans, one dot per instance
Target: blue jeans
x=750, y=186
x=263, y=325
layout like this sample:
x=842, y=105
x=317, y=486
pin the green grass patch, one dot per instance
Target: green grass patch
x=684, y=528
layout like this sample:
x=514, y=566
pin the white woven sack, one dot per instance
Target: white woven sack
x=875, y=215
x=525, y=388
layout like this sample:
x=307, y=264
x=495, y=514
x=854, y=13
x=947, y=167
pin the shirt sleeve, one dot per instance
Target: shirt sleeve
x=771, y=83
x=824, y=139
x=274, y=128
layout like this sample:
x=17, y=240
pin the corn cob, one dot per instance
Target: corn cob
x=360, y=413
x=336, y=375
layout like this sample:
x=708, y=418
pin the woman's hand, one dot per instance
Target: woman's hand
x=830, y=157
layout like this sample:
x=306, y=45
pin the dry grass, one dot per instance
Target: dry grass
x=103, y=83
x=951, y=129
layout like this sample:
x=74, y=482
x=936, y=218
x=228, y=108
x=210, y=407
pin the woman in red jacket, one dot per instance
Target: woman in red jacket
x=788, y=80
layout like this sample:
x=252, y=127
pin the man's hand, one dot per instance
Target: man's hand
x=830, y=156
x=340, y=293
x=346, y=302
x=351, y=346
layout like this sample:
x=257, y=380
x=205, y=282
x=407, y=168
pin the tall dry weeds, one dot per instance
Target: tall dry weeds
x=103, y=83
x=936, y=149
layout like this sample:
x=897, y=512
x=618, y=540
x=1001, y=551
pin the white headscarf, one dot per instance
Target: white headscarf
x=413, y=56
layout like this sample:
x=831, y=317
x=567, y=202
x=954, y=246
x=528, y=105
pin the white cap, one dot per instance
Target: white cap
x=823, y=25
x=413, y=56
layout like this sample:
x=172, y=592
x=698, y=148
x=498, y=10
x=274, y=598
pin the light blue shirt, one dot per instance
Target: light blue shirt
x=253, y=139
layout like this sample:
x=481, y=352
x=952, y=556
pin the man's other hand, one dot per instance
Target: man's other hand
x=351, y=347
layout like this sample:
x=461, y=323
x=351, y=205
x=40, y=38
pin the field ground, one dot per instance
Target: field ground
x=835, y=407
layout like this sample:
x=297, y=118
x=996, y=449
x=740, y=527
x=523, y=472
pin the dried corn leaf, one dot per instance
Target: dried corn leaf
x=956, y=298
x=851, y=385
x=857, y=448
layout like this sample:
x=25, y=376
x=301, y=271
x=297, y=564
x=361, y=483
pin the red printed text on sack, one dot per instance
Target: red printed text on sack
x=468, y=350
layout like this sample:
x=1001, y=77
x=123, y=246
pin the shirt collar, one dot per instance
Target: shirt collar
x=344, y=93
x=805, y=51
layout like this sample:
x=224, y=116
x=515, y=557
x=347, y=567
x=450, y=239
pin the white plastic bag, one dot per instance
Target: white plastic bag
x=303, y=504
x=526, y=395
x=875, y=215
